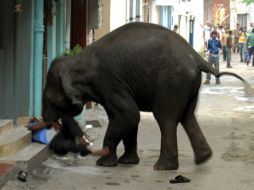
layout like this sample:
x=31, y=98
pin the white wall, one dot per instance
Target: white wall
x=117, y=13
x=198, y=7
x=194, y=8
x=240, y=8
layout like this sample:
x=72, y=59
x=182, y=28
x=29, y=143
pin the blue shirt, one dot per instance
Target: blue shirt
x=214, y=46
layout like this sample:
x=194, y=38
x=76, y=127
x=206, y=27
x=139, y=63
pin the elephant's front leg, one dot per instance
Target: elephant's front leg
x=130, y=155
x=123, y=120
x=71, y=127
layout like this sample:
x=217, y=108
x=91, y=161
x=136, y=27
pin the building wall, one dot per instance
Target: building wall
x=221, y=12
x=183, y=13
x=118, y=13
x=217, y=12
x=105, y=28
x=237, y=9
x=208, y=11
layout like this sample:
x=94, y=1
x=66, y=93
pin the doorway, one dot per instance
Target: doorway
x=79, y=33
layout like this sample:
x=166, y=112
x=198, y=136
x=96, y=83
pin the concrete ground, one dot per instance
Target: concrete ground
x=226, y=118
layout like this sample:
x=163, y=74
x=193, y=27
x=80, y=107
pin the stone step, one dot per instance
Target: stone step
x=5, y=126
x=7, y=171
x=13, y=141
x=29, y=157
x=24, y=120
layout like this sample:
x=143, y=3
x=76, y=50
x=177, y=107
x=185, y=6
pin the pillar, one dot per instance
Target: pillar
x=38, y=53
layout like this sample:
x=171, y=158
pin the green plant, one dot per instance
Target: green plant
x=248, y=1
x=74, y=51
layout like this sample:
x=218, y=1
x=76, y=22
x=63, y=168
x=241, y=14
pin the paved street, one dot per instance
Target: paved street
x=226, y=118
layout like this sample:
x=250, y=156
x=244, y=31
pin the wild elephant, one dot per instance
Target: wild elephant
x=137, y=67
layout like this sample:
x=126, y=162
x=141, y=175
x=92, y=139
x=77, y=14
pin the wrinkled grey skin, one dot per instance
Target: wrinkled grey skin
x=138, y=67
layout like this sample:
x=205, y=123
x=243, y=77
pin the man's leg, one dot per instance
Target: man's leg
x=241, y=51
x=252, y=53
x=249, y=55
x=208, y=75
x=217, y=67
x=228, y=50
x=224, y=53
x=245, y=53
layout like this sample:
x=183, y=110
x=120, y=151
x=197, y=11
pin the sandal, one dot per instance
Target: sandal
x=180, y=179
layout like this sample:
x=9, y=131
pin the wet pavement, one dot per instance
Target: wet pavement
x=226, y=117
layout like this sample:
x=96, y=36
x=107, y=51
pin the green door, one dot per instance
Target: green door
x=6, y=58
x=2, y=86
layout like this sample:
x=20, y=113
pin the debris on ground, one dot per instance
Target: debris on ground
x=180, y=179
x=22, y=176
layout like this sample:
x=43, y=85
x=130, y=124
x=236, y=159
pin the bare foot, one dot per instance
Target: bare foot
x=101, y=152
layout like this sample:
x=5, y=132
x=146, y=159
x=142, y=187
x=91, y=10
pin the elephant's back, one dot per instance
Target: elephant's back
x=143, y=44
x=144, y=57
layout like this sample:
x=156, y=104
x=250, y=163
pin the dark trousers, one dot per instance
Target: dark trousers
x=224, y=53
x=251, y=53
x=228, y=55
x=213, y=60
x=244, y=54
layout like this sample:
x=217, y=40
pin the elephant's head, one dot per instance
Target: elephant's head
x=59, y=96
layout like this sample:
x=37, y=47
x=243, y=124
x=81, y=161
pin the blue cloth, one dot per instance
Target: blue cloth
x=40, y=135
x=214, y=46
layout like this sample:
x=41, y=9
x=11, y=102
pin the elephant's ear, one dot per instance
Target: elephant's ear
x=72, y=93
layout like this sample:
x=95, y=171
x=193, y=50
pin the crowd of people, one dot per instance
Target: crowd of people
x=240, y=40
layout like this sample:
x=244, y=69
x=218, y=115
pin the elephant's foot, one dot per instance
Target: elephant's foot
x=203, y=157
x=166, y=164
x=129, y=158
x=109, y=160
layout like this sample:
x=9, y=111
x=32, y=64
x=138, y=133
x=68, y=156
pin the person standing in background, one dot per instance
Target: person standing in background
x=206, y=33
x=250, y=46
x=242, y=45
x=250, y=28
x=220, y=32
x=236, y=33
x=175, y=28
x=214, y=47
x=224, y=43
x=229, y=45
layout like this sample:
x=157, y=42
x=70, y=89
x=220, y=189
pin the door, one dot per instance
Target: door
x=2, y=81
x=79, y=23
x=183, y=26
x=166, y=16
x=242, y=20
x=6, y=59
x=191, y=30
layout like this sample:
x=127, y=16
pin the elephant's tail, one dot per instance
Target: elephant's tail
x=206, y=67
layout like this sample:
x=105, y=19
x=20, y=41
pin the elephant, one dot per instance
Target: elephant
x=137, y=67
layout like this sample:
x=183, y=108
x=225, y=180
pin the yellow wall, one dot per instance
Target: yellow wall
x=106, y=20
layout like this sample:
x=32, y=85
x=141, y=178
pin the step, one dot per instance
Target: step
x=29, y=157
x=13, y=141
x=24, y=120
x=5, y=126
x=7, y=171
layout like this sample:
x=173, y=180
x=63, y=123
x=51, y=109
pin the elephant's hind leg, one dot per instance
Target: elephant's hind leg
x=199, y=144
x=168, y=159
